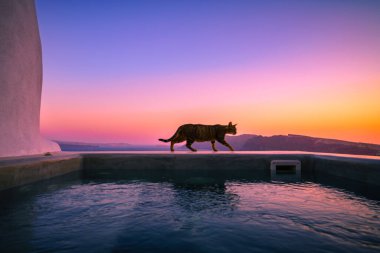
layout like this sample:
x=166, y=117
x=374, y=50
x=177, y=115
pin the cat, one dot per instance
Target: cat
x=198, y=132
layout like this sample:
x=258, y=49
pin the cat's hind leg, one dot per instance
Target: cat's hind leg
x=213, y=146
x=176, y=140
x=188, y=145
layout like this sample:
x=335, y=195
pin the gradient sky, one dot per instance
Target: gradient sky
x=133, y=71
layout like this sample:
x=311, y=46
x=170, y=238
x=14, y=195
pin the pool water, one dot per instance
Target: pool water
x=196, y=213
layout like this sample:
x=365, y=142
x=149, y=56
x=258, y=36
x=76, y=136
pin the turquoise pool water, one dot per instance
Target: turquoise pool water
x=150, y=212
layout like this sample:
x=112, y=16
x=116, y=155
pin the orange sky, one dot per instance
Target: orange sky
x=342, y=106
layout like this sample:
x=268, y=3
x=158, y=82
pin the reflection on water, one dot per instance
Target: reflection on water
x=186, y=212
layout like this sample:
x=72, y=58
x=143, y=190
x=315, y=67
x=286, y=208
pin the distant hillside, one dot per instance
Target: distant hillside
x=81, y=146
x=291, y=142
x=237, y=142
x=305, y=143
x=244, y=142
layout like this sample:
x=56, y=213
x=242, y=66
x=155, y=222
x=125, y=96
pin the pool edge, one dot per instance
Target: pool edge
x=23, y=170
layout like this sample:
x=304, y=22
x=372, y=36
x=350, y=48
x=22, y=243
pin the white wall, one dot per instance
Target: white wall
x=20, y=80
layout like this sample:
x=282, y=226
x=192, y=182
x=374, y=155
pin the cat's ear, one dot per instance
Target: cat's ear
x=230, y=124
x=235, y=125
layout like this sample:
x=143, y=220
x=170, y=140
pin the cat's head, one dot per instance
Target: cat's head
x=231, y=129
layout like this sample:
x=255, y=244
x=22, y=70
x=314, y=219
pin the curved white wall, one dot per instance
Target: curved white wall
x=20, y=81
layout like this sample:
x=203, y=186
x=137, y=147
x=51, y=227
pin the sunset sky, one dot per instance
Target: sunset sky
x=133, y=71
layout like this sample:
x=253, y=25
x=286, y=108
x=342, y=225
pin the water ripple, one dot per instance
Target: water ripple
x=198, y=215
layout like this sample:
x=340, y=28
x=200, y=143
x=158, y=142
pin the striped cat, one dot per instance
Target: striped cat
x=197, y=132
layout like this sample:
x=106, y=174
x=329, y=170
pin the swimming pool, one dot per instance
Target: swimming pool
x=188, y=211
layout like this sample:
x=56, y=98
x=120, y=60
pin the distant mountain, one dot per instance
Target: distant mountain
x=293, y=142
x=236, y=141
x=82, y=146
x=244, y=142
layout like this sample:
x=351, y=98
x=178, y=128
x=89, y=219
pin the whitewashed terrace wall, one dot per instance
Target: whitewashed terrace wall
x=20, y=81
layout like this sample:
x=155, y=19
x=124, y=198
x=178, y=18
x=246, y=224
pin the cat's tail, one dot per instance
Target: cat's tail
x=173, y=137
